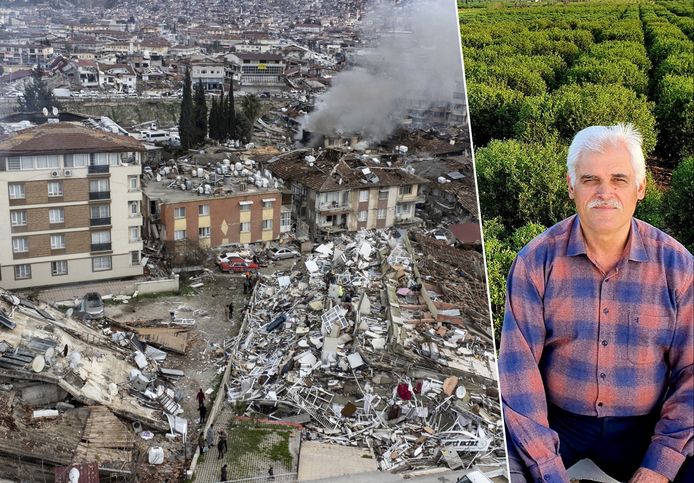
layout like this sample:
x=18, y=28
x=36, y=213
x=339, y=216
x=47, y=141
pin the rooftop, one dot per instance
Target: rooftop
x=65, y=137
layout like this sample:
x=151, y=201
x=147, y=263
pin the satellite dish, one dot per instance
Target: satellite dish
x=55, y=111
x=45, y=112
x=38, y=364
x=50, y=353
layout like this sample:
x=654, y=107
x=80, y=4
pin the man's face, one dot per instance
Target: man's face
x=605, y=192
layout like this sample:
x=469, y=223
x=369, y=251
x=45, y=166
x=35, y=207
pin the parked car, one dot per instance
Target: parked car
x=238, y=265
x=281, y=253
x=92, y=306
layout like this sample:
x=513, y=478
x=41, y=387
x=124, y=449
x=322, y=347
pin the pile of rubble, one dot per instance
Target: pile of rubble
x=353, y=344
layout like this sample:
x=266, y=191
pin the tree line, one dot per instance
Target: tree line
x=538, y=74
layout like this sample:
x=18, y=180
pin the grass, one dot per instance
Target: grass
x=270, y=441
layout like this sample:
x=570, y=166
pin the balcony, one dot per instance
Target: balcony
x=99, y=195
x=334, y=208
x=101, y=247
x=100, y=221
x=98, y=169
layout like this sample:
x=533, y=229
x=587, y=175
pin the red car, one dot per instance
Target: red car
x=238, y=265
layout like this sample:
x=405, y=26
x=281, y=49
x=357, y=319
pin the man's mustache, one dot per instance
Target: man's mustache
x=610, y=203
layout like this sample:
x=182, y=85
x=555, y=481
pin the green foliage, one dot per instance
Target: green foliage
x=494, y=112
x=678, y=203
x=185, y=121
x=615, y=71
x=651, y=209
x=37, y=95
x=523, y=183
x=573, y=107
x=251, y=107
x=199, y=115
x=615, y=49
x=675, y=112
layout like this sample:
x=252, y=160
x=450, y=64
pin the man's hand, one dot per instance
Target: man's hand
x=644, y=475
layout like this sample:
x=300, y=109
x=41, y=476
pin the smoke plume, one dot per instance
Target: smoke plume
x=412, y=56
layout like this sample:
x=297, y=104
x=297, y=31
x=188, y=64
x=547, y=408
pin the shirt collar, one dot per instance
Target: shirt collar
x=577, y=244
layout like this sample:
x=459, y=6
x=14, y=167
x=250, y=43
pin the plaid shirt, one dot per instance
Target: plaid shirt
x=599, y=345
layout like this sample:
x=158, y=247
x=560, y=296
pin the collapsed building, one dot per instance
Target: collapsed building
x=363, y=350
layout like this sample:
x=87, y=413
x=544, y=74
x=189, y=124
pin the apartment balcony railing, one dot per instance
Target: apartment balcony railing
x=98, y=168
x=334, y=207
x=100, y=221
x=101, y=247
x=99, y=195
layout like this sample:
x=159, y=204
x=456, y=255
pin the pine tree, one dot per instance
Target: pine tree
x=199, y=115
x=222, y=125
x=185, y=122
x=212, y=120
x=251, y=108
x=37, y=95
x=230, y=114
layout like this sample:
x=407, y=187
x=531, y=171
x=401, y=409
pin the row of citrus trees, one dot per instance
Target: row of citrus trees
x=538, y=73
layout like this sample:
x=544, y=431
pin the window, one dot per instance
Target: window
x=204, y=232
x=383, y=195
x=135, y=257
x=203, y=210
x=179, y=235
x=403, y=209
x=363, y=215
x=98, y=185
x=405, y=189
x=134, y=208
x=246, y=206
x=285, y=220
x=57, y=242
x=101, y=263
x=20, y=244
x=363, y=195
x=267, y=204
x=55, y=188
x=134, y=233
x=246, y=227
x=59, y=268
x=381, y=213
x=99, y=237
x=56, y=215
x=17, y=191
x=132, y=183
x=99, y=211
x=267, y=224
x=18, y=218
x=47, y=162
x=22, y=271
x=180, y=212
x=76, y=160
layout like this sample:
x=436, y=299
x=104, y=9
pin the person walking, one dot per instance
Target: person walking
x=230, y=312
x=201, y=442
x=203, y=413
x=224, y=475
x=271, y=474
x=222, y=443
x=210, y=436
x=201, y=398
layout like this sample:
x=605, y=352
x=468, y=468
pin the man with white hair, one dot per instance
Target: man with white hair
x=597, y=346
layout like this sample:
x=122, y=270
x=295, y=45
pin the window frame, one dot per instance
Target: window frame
x=17, y=213
x=179, y=212
x=61, y=218
x=60, y=237
x=102, y=258
x=54, y=194
x=27, y=275
x=54, y=266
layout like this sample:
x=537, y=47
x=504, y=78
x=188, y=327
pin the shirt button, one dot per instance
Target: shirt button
x=605, y=310
x=599, y=404
x=604, y=343
x=603, y=375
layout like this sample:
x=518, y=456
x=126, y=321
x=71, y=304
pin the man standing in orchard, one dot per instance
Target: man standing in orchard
x=597, y=346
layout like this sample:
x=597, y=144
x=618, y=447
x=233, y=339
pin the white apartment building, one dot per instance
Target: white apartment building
x=70, y=203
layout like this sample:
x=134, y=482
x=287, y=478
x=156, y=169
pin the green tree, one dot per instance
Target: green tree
x=678, y=203
x=37, y=95
x=494, y=112
x=185, y=121
x=199, y=115
x=651, y=209
x=675, y=112
x=251, y=107
x=522, y=183
x=229, y=120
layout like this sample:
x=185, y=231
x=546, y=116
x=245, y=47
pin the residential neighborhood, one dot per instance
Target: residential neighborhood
x=243, y=244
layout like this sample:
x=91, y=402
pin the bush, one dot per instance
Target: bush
x=678, y=203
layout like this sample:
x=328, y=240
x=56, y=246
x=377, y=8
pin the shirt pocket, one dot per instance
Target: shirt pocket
x=649, y=337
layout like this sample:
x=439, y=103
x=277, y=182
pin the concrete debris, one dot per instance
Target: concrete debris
x=352, y=343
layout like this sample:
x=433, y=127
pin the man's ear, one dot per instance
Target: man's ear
x=641, y=189
x=571, y=188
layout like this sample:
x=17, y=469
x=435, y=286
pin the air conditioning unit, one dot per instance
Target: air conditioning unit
x=67, y=172
x=55, y=174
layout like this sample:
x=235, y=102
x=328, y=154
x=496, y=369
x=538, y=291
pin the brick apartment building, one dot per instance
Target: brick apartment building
x=235, y=214
x=70, y=201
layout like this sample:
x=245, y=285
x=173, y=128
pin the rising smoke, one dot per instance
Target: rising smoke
x=413, y=56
